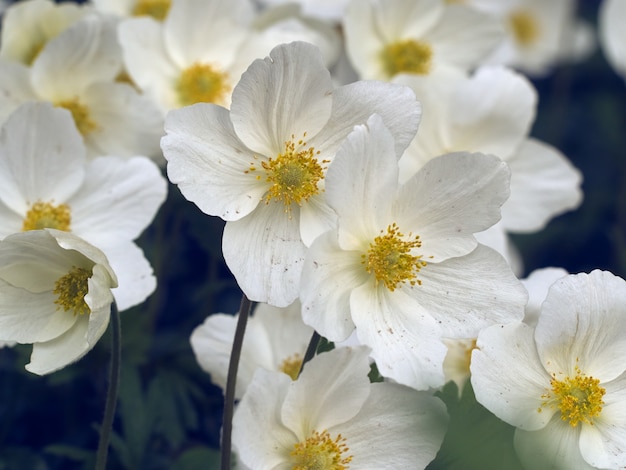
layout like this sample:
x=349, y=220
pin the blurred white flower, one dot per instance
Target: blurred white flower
x=563, y=383
x=55, y=292
x=612, y=18
x=261, y=165
x=46, y=181
x=157, y=9
x=403, y=267
x=333, y=417
x=276, y=339
x=421, y=37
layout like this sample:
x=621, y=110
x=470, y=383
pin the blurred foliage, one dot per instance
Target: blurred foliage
x=169, y=413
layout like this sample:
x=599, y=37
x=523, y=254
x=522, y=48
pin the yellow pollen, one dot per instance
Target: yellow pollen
x=578, y=398
x=321, y=452
x=407, y=56
x=293, y=174
x=525, y=27
x=80, y=113
x=157, y=9
x=46, y=215
x=389, y=258
x=71, y=290
x=202, y=83
x=291, y=366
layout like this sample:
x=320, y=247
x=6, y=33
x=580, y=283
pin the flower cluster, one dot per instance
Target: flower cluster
x=371, y=162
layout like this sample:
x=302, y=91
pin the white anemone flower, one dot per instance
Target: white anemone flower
x=403, y=267
x=190, y=57
x=421, y=37
x=46, y=181
x=76, y=70
x=611, y=19
x=276, y=339
x=55, y=292
x=27, y=26
x=261, y=165
x=332, y=417
x=563, y=383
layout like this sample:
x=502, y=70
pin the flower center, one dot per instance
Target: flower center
x=407, y=56
x=81, y=116
x=157, y=9
x=46, y=215
x=71, y=290
x=525, y=27
x=321, y=452
x=293, y=174
x=201, y=83
x=389, y=258
x=578, y=398
x=291, y=366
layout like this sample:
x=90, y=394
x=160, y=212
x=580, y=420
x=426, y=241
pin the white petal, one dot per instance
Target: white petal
x=495, y=237
x=208, y=162
x=328, y=277
x=316, y=217
x=405, y=341
x=259, y=436
x=582, y=323
x=397, y=427
x=331, y=390
x=508, y=378
x=537, y=284
x=265, y=253
x=554, y=446
x=612, y=33
x=284, y=97
x=42, y=157
x=15, y=87
x=544, y=184
x=118, y=199
x=471, y=292
x=449, y=199
x=128, y=123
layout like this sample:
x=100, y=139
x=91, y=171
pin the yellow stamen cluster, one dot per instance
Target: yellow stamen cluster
x=407, y=56
x=202, y=83
x=46, y=215
x=291, y=366
x=389, y=258
x=157, y=9
x=578, y=398
x=81, y=115
x=525, y=27
x=293, y=174
x=321, y=452
x=71, y=289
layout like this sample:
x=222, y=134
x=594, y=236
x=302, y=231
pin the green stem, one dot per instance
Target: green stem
x=231, y=381
x=112, y=392
x=310, y=350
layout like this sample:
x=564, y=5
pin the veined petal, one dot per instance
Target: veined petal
x=544, y=184
x=259, y=435
x=265, y=253
x=406, y=342
x=331, y=390
x=328, y=277
x=508, y=377
x=537, y=283
x=449, y=199
x=15, y=87
x=363, y=179
x=42, y=157
x=554, y=446
x=409, y=429
x=118, y=199
x=213, y=173
x=471, y=292
x=582, y=324
x=284, y=97
x=353, y=104
x=85, y=53
x=316, y=217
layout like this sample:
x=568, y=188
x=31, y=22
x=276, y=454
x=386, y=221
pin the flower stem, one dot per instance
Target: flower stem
x=310, y=350
x=112, y=392
x=231, y=381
